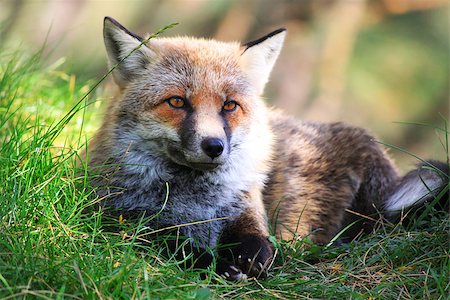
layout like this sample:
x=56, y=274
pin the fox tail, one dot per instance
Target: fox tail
x=428, y=183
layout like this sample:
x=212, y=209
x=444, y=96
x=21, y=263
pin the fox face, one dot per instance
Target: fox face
x=191, y=101
x=191, y=108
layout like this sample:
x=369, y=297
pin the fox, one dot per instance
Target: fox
x=189, y=115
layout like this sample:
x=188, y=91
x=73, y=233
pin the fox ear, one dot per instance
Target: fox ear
x=119, y=43
x=260, y=55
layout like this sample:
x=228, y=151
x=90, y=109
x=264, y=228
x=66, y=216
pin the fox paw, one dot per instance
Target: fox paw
x=250, y=258
x=230, y=272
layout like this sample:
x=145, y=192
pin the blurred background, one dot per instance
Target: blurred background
x=371, y=63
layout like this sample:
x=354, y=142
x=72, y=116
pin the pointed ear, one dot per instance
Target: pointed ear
x=260, y=55
x=119, y=42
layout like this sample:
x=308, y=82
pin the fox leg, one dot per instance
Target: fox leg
x=315, y=211
x=247, y=251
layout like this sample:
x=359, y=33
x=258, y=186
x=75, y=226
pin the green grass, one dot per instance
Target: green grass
x=54, y=244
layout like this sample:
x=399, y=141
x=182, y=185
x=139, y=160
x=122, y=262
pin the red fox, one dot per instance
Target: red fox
x=190, y=114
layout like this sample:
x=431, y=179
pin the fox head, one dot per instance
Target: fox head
x=192, y=101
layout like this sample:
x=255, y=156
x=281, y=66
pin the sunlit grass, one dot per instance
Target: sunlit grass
x=54, y=243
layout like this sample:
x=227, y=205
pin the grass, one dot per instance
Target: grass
x=54, y=244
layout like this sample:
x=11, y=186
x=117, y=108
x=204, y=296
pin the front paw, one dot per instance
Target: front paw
x=229, y=271
x=250, y=257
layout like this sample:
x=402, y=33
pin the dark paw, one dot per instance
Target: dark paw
x=250, y=257
x=230, y=272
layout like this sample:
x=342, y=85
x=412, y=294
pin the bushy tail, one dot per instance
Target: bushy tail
x=429, y=183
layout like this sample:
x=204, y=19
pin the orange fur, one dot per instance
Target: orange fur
x=168, y=115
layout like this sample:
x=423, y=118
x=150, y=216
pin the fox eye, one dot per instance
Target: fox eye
x=230, y=106
x=176, y=102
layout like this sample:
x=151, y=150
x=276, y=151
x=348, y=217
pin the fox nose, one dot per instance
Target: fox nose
x=213, y=147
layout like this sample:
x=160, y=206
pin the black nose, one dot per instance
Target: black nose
x=213, y=147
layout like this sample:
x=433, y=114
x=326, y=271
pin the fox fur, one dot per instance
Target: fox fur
x=190, y=114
